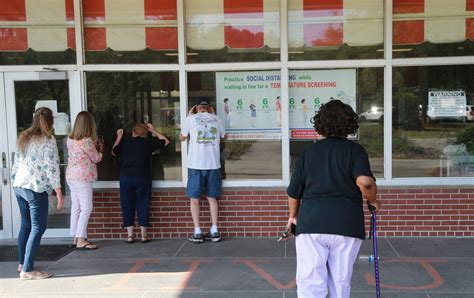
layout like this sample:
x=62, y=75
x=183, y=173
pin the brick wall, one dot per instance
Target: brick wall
x=407, y=212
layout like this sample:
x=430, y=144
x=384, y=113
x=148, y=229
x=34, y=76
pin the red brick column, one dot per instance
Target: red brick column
x=407, y=212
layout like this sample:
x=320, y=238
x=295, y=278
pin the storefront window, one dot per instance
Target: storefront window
x=335, y=29
x=246, y=102
x=433, y=121
x=131, y=32
x=37, y=32
x=361, y=88
x=232, y=31
x=121, y=99
x=433, y=28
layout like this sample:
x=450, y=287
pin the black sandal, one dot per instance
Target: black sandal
x=130, y=239
x=145, y=239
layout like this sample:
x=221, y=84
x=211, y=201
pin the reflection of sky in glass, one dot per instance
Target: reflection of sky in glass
x=323, y=13
x=244, y=15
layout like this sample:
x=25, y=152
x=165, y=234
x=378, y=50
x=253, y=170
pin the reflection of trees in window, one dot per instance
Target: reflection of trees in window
x=119, y=100
x=247, y=37
x=331, y=35
x=30, y=57
x=369, y=88
x=27, y=93
x=415, y=135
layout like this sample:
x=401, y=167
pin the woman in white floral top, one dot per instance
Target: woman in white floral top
x=84, y=151
x=35, y=174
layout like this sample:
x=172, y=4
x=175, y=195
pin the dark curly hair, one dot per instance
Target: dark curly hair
x=335, y=119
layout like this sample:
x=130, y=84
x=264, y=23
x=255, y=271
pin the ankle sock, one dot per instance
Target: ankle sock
x=197, y=231
x=213, y=229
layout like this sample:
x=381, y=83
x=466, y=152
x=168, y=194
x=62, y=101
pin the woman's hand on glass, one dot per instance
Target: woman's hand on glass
x=192, y=110
x=151, y=128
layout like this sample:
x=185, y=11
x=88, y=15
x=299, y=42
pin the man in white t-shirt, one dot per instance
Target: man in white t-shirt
x=204, y=130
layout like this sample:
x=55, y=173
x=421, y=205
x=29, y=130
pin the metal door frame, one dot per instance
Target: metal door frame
x=11, y=213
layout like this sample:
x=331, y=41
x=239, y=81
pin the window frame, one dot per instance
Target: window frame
x=387, y=62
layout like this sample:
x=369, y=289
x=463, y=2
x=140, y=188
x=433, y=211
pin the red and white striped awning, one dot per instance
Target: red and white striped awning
x=314, y=23
x=46, y=25
x=247, y=24
x=434, y=21
x=130, y=25
x=122, y=25
x=134, y=25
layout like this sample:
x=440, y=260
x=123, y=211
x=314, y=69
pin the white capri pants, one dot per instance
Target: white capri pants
x=81, y=207
x=325, y=261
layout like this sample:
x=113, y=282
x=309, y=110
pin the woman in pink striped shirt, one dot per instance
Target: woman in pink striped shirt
x=84, y=151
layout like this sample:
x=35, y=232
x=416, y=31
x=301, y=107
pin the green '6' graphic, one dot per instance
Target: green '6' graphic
x=240, y=104
x=292, y=103
x=265, y=103
x=317, y=103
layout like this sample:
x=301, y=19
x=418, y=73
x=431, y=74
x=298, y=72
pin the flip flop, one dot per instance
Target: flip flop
x=88, y=246
x=35, y=275
x=145, y=239
x=129, y=240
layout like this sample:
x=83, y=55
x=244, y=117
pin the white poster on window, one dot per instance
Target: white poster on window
x=247, y=103
x=446, y=104
x=250, y=107
x=309, y=89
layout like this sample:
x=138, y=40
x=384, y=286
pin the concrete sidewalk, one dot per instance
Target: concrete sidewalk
x=251, y=267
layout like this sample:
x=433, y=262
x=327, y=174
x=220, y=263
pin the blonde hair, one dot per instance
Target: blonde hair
x=140, y=130
x=42, y=127
x=84, y=127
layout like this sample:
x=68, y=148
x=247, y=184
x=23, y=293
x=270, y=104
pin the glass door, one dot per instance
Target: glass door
x=24, y=93
x=5, y=189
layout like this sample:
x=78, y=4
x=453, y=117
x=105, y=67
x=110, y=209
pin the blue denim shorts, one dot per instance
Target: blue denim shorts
x=207, y=181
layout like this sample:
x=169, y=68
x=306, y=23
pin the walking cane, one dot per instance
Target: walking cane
x=373, y=233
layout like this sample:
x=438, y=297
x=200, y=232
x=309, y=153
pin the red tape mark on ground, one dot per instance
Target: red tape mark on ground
x=192, y=268
x=425, y=263
x=126, y=277
x=268, y=277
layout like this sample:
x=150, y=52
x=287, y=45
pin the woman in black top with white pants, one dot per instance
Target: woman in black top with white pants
x=325, y=198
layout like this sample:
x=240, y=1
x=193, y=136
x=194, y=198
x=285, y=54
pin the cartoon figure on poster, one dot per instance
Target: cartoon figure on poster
x=278, y=111
x=253, y=113
x=304, y=111
x=226, y=112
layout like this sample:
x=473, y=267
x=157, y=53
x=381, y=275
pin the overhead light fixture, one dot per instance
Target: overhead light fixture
x=176, y=54
x=395, y=50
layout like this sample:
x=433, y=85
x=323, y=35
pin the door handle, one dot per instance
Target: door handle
x=4, y=169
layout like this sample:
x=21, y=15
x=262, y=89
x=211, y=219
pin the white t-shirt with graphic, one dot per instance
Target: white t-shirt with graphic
x=205, y=131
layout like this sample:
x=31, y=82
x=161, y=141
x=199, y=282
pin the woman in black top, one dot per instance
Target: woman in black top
x=135, y=174
x=325, y=199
